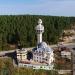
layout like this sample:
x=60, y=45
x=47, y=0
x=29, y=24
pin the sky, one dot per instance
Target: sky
x=38, y=7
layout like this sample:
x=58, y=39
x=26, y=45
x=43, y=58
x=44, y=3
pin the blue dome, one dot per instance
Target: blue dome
x=43, y=47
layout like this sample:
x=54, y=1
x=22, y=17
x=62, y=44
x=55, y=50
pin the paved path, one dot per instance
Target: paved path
x=69, y=45
x=2, y=53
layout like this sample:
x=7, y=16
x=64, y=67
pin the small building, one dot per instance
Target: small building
x=73, y=60
x=21, y=54
x=66, y=54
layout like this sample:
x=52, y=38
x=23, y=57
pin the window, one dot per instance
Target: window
x=18, y=55
x=46, y=59
x=40, y=58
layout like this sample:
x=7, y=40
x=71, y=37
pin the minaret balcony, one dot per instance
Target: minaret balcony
x=40, y=31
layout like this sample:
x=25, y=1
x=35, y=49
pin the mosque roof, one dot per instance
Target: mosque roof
x=43, y=47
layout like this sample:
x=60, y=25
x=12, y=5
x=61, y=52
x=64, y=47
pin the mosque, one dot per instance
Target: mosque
x=42, y=54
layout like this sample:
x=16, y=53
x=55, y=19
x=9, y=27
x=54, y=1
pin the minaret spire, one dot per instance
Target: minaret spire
x=39, y=30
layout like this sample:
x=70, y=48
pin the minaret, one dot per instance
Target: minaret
x=39, y=30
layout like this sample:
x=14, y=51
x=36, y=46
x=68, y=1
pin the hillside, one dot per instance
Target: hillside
x=20, y=29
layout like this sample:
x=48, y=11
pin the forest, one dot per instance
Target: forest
x=20, y=29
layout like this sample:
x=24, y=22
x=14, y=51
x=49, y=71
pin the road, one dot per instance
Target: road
x=69, y=45
x=2, y=53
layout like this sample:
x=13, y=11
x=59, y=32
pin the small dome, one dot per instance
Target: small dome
x=42, y=45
